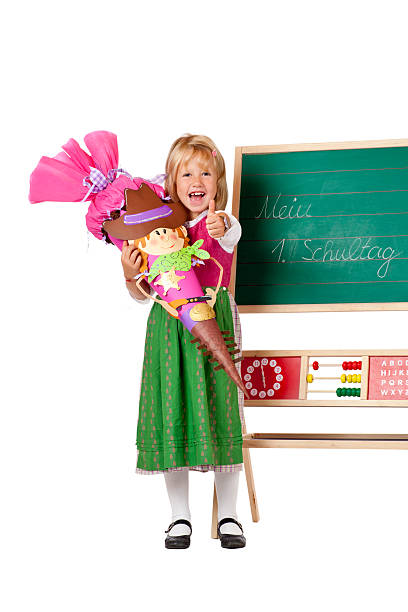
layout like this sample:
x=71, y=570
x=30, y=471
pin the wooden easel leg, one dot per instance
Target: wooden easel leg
x=253, y=502
x=214, y=521
x=250, y=484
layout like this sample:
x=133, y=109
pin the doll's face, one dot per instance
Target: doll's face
x=163, y=241
x=196, y=184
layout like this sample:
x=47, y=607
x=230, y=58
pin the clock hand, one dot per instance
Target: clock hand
x=263, y=375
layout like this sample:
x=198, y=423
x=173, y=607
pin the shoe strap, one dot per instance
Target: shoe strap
x=229, y=520
x=180, y=522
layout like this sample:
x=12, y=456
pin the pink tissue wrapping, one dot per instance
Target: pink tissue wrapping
x=112, y=198
x=61, y=178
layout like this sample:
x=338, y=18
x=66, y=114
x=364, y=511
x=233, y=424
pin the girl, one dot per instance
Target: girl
x=188, y=414
x=189, y=418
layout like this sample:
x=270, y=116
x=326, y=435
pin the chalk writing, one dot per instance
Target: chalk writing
x=355, y=251
x=280, y=244
x=360, y=249
x=282, y=211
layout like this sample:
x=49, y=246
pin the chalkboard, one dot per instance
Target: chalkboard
x=324, y=226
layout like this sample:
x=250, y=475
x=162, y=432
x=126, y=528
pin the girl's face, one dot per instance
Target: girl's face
x=196, y=184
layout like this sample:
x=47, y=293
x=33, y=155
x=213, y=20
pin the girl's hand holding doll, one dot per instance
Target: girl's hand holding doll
x=131, y=260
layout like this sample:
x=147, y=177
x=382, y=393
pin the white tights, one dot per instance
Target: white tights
x=226, y=484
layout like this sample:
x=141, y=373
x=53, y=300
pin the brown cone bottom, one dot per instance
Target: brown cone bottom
x=210, y=337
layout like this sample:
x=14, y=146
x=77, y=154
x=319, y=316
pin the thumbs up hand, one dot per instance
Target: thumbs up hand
x=214, y=223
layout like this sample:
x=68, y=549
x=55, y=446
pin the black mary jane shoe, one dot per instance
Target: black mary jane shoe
x=181, y=541
x=229, y=540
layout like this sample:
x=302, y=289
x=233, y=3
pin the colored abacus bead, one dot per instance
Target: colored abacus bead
x=348, y=391
x=315, y=365
x=351, y=365
x=343, y=378
x=349, y=377
x=309, y=378
x=358, y=377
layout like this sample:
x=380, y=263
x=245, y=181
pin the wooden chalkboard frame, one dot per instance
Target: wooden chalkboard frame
x=285, y=148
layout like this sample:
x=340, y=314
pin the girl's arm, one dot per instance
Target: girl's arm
x=135, y=291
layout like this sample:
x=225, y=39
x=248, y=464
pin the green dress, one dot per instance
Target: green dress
x=188, y=413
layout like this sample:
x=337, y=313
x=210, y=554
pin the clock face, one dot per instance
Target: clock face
x=268, y=378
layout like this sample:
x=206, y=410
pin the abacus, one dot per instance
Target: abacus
x=350, y=378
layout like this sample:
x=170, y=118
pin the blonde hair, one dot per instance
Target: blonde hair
x=182, y=150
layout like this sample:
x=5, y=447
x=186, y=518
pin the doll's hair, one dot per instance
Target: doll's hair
x=195, y=145
x=140, y=243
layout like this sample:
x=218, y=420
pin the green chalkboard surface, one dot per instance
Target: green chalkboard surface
x=325, y=225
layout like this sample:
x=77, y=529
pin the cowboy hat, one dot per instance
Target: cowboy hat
x=145, y=212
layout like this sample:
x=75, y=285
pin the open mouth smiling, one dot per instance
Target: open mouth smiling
x=196, y=196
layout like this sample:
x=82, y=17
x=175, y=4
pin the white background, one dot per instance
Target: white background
x=82, y=531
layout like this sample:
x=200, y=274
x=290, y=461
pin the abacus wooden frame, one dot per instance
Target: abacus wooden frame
x=363, y=356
